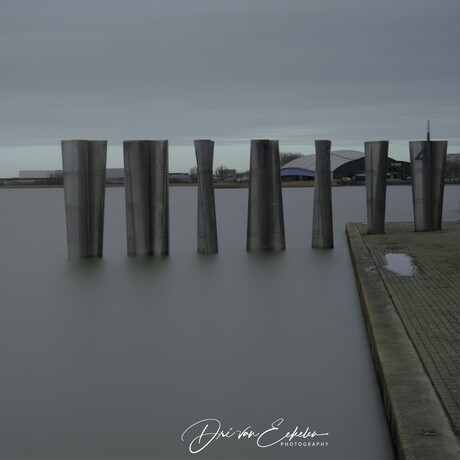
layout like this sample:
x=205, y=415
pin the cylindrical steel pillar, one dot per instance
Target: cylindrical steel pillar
x=421, y=184
x=137, y=162
x=207, y=227
x=277, y=238
x=438, y=153
x=375, y=158
x=160, y=196
x=322, y=228
x=147, y=198
x=265, y=208
x=84, y=169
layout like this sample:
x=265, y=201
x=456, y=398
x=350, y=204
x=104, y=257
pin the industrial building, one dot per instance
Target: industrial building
x=344, y=164
x=112, y=175
x=43, y=174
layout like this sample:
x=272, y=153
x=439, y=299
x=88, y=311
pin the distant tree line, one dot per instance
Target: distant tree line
x=288, y=156
x=221, y=171
x=452, y=171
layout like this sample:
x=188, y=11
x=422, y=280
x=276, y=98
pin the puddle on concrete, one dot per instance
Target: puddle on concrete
x=401, y=264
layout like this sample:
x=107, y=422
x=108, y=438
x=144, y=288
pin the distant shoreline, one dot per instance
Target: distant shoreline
x=218, y=185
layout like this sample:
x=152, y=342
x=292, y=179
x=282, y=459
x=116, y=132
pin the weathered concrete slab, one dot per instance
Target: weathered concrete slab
x=413, y=327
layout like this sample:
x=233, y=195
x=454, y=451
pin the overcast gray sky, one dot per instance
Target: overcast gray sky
x=229, y=70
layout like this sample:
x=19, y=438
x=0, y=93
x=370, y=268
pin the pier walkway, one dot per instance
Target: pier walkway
x=413, y=323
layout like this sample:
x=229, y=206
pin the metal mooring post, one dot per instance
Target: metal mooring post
x=438, y=150
x=420, y=160
x=206, y=224
x=265, y=208
x=375, y=158
x=84, y=168
x=322, y=228
x=147, y=197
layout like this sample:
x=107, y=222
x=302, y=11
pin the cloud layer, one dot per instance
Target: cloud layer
x=179, y=69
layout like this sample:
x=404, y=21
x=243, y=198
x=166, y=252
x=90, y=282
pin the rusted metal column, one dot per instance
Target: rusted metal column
x=84, y=169
x=265, y=207
x=322, y=228
x=147, y=197
x=375, y=157
x=207, y=227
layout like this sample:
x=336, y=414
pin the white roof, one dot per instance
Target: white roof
x=338, y=158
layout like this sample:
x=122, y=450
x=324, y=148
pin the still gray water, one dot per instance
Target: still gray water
x=115, y=358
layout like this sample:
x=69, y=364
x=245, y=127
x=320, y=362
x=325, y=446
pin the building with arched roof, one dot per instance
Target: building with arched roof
x=344, y=163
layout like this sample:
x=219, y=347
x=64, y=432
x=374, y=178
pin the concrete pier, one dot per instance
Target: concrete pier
x=265, y=208
x=412, y=324
x=84, y=168
x=322, y=228
x=147, y=197
x=375, y=157
x=207, y=226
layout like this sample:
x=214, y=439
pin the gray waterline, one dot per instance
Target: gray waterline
x=115, y=358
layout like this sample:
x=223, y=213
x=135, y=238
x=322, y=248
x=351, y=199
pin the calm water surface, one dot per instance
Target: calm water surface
x=115, y=358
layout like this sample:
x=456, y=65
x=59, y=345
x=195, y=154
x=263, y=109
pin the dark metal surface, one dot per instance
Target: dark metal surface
x=84, y=166
x=428, y=163
x=207, y=227
x=438, y=168
x=322, y=228
x=375, y=158
x=147, y=197
x=265, y=207
x=421, y=185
